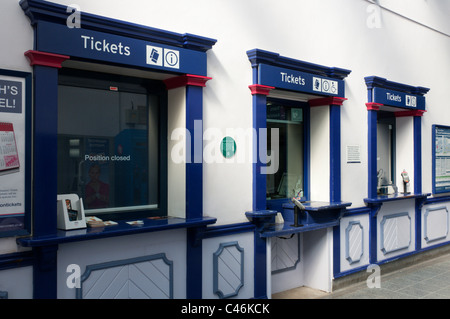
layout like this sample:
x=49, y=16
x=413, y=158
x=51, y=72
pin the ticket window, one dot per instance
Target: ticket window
x=386, y=128
x=285, y=139
x=109, y=144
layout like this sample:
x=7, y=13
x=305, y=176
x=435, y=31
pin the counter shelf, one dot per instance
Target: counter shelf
x=121, y=229
x=315, y=215
x=394, y=197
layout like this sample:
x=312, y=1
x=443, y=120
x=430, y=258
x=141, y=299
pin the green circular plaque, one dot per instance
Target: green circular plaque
x=228, y=147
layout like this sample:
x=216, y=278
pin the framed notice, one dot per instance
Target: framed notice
x=441, y=159
x=15, y=178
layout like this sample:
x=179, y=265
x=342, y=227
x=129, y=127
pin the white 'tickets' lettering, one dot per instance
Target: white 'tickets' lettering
x=105, y=46
x=290, y=78
x=393, y=97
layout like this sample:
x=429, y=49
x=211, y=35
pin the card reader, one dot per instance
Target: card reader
x=298, y=205
x=405, y=178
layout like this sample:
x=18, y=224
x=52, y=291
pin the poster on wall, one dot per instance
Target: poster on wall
x=14, y=96
x=441, y=159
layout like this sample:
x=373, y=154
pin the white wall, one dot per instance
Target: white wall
x=345, y=33
x=320, y=153
x=176, y=136
x=331, y=33
x=16, y=36
x=431, y=13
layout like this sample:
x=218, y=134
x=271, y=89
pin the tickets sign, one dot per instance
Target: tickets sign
x=101, y=46
x=293, y=80
x=398, y=99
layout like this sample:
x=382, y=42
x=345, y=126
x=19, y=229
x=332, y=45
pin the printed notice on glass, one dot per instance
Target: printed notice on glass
x=12, y=153
x=441, y=169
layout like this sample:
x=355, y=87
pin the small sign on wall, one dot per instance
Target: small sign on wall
x=353, y=154
x=228, y=147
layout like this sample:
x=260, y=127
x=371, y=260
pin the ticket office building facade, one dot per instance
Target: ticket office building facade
x=114, y=112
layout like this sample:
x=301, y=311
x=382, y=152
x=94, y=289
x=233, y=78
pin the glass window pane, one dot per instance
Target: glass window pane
x=385, y=151
x=108, y=148
x=288, y=180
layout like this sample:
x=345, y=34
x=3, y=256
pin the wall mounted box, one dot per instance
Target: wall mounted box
x=70, y=212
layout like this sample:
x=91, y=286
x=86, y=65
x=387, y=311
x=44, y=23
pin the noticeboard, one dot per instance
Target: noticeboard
x=441, y=159
x=15, y=98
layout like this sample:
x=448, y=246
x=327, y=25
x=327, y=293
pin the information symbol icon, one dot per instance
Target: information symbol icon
x=171, y=58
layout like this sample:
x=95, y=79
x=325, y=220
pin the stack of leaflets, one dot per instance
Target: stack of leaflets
x=93, y=221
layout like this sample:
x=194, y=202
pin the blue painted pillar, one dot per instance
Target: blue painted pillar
x=194, y=176
x=335, y=153
x=259, y=93
x=417, y=154
x=45, y=150
x=335, y=173
x=194, y=169
x=372, y=109
x=418, y=176
x=373, y=236
x=45, y=130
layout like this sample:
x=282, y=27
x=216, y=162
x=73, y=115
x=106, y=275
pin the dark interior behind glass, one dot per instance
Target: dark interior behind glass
x=109, y=150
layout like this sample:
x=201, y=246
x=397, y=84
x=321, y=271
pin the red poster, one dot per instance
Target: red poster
x=9, y=157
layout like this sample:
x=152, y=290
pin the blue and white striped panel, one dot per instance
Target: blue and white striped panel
x=228, y=270
x=354, y=242
x=395, y=232
x=436, y=224
x=149, y=277
x=285, y=253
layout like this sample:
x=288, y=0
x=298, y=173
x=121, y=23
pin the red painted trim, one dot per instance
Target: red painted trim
x=373, y=106
x=327, y=101
x=46, y=59
x=185, y=80
x=409, y=113
x=260, y=89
